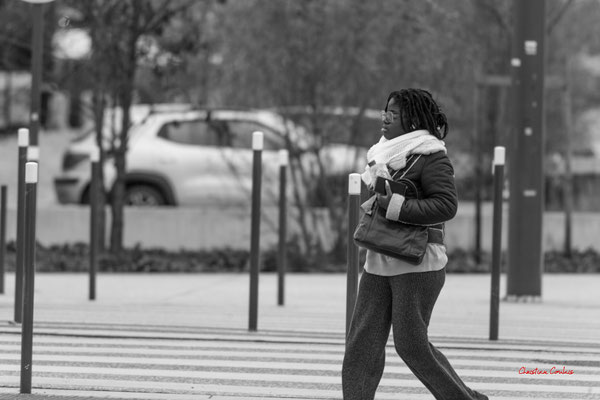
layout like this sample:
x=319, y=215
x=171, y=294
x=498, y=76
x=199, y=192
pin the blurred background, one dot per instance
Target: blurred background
x=197, y=77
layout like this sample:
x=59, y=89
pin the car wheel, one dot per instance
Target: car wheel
x=143, y=195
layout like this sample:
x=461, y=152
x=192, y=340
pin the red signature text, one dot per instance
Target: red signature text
x=551, y=371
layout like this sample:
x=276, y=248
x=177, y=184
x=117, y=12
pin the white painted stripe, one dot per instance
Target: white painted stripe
x=166, y=342
x=522, y=361
x=178, y=335
x=488, y=368
x=43, y=340
x=315, y=355
x=312, y=375
x=113, y=359
x=308, y=353
x=593, y=333
x=271, y=336
x=173, y=396
x=245, y=391
x=293, y=335
x=517, y=355
x=516, y=388
x=190, y=348
x=153, y=396
x=519, y=347
x=335, y=339
x=489, y=363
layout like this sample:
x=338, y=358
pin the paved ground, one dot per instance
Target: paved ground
x=185, y=337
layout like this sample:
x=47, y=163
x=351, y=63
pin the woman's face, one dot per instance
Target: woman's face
x=391, y=126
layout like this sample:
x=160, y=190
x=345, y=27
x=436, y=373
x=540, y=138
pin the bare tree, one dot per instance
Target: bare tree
x=260, y=53
x=116, y=27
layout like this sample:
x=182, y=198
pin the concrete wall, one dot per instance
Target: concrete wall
x=460, y=232
x=193, y=228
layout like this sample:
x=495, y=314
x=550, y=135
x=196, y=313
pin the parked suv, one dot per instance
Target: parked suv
x=193, y=157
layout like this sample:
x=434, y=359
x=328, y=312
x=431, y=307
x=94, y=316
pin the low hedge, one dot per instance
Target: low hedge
x=75, y=258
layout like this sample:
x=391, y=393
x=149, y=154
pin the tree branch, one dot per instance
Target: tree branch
x=556, y=19
x=163, y=13
x=496, y=14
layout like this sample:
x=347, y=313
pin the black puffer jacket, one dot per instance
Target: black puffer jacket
x=433, y=175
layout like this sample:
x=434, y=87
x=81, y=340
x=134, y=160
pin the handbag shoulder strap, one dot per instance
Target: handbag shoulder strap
x=406, y=169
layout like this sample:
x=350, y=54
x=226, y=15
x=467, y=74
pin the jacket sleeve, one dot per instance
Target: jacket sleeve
x=439, y=201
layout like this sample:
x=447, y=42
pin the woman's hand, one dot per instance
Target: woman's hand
x=384, y=199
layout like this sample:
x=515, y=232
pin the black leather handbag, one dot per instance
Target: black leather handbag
x=392, y=238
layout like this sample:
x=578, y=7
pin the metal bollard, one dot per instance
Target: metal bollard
x=354, y=182
x=23, y=142
x=499, y=161
x=94, y=193
x=31, y=178
x=257, y=146
x=281, y=254
x=2, y=236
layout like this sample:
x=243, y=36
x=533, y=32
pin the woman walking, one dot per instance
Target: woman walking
x=393, y=293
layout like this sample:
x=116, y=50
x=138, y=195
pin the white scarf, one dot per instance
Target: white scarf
x=393, y=153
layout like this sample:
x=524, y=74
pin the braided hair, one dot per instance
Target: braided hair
x=418, y=110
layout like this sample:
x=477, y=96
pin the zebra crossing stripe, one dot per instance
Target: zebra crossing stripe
x=178, y=336
x=189, y=357
x=250, y=368
x=269, y=344
x=464, y=367
x=263, y=386
x=172, y=396
x=292, y=360
x=278, y=351
x=257, y=367
x=334, y=338
x=174, y=344
x=100, y=394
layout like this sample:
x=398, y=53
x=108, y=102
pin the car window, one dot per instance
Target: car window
x=198, y=133
x=241, y=135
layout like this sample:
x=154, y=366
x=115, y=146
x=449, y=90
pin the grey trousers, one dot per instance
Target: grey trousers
x=404, y=302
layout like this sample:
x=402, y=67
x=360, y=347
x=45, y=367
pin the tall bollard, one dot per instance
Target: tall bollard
x=23, y=142
x=499, y=161
x=281, y=254
x=354, y=183
x=2, y=236
x=257, y=146
x=94, y=193
x=31, y=178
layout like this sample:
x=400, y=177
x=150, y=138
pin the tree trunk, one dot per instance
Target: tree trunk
x=99, y=105
x=117, y=204
x=118, y=190
x=125, y=97
x=7, y=100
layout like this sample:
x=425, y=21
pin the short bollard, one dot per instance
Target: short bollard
x=354, y=183
x=257, y=146
x=94, y=193
x=2, y=236
x=499, y=161
x=23, y=142
x=281, y=253
x=31, y=178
